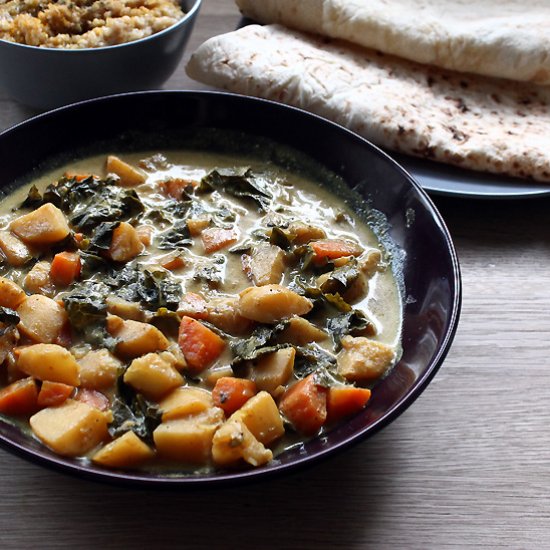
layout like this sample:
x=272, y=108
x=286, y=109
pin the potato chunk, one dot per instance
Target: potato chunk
x=363, y=360
x=188, y=439
x=261, y=416
x=271, y=303
x=41, y=318
x=49, y=362
x=129, y=176
x=302, y=233
x=185, y=401
x=233, y=442
x=71, y=429
x=126, y=451
x=124, y=308
x=14, y=249
x=135, y=338
x=223, y=312
x=125, y=243
x=266, y=265
x=38, y=279
x=273, y=370
x=45, y=225
x=11, y=294
x=99, y=369
x=153, y=376
x=300, y=332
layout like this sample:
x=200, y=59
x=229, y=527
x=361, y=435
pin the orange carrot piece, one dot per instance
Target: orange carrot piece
x=330, y=249
x=65, y=268
x=145, y=234
x=216, y=238
x=171, y=261
x=305, y=405
x=19, y=398
x=344, y=401
x=53, y=393
x=93, y=398
x=175, y=187
x=232, y=393
x=76, y=176
x=193, y=305
x=200, y=345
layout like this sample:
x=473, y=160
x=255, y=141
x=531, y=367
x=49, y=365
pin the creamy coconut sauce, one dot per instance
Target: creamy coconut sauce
x=217, y=275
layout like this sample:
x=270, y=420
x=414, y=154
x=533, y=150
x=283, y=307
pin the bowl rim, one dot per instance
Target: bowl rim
x=144, y=479
x=74, y=51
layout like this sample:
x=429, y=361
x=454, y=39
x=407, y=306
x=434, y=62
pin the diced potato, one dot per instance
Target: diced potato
x=273, y=370
x=45, y=225
x=174, y=356
x=14, y=249
x=261, y=416
x=135, y=338
x=188, y=439
x=153, y=376
x=357, y=290
x=99, y=369
x=71, y=429
x=214, y=373
x=125, y=244
x=38, y=279
x=300, y=332
x=266, y=265
x=233, y=442
x=129, y=176
x=11, y=294
x=49, y=362
x=302, y=233
x=196, y=225
x=185, y=401
x=124, y=308
x=41, y=318
x=363, y=360
x=223, y=312
x=272, y=303
x=126, y=451
x=371, y=262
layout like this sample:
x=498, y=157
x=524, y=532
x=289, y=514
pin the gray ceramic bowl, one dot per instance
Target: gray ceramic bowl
x=50, y=77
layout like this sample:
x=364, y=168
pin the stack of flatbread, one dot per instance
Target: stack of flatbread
x=401, y=73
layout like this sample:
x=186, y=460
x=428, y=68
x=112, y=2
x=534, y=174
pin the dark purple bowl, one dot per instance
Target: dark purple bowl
x=431, y=276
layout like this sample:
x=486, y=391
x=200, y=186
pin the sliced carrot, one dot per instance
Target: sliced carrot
x=65, y=268
x=216, y=238
x=172, y=260
x=344, y=401
x=330, y=249
x=53, y=393
x=19, y=398
x=200, y=345
x=193, y=305
x=305, y=405
x=76, y=176
x=78, y=237
x=232, y=393
x=145, y=234
x=175, y=187
x=93, y=398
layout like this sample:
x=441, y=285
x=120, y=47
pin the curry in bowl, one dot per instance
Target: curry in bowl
x=188, y=311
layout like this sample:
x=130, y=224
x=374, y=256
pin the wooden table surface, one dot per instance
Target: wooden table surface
x=468, y=465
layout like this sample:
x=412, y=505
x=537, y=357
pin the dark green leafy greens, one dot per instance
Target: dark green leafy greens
x=245, y=186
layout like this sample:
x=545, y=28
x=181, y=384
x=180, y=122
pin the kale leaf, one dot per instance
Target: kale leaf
x=132, y=412
x=351, y=322
x=92, y=201
x=246, y=186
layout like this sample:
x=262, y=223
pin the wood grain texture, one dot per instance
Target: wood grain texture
x=467, y=466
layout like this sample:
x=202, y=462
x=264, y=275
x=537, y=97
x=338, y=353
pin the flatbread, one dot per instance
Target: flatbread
x=500, y=38
x=479, y=123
